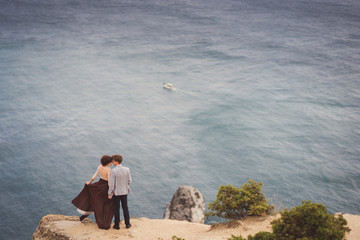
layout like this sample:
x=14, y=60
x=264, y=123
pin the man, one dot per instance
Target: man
x=120, y=180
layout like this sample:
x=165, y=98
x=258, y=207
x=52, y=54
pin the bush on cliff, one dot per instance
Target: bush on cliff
x=258, y=236
x=262, y=236
x=309, y=221
x=233, y=237
x=236, y=203
x=176, y=238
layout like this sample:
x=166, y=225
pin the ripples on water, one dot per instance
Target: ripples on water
x=267, y=90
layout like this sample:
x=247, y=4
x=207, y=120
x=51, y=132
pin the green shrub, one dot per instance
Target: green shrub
x=309, y=221
x=262, y=236
x=236, y=238
x=235, y=203
x=176, y=238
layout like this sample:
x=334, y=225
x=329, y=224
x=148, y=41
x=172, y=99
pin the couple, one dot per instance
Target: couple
x=103, y=197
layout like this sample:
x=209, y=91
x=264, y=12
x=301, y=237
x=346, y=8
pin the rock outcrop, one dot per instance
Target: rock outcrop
x=47, y=228
x=187, y=204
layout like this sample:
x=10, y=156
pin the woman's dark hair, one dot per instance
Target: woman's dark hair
x=117, y=158
x=106, y=159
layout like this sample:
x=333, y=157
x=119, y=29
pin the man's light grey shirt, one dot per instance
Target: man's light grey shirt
x=120, y=180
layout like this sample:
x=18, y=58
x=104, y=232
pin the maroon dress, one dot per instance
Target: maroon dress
x=94, y=197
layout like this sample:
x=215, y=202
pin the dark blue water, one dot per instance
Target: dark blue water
x=265, y=89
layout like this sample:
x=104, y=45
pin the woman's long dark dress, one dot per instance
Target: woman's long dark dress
x=94, y=197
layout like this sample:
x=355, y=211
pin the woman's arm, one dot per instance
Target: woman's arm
x=94, y=176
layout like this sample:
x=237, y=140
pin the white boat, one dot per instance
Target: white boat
x=168, y=86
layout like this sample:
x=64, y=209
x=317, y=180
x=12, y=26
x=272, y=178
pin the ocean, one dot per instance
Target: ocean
x=267, y=90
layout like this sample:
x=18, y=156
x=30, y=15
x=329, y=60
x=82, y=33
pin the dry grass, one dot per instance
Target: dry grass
x=228, y=224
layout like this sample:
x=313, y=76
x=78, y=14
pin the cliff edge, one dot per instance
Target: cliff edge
x=60, y=227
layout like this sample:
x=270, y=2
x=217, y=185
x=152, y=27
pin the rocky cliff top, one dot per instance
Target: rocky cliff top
x=60, y=227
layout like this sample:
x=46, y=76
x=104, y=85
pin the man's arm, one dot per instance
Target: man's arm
x=130, y=180
x=111, y=184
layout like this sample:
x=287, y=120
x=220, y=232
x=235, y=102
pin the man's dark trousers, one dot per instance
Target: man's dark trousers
x=124, y=205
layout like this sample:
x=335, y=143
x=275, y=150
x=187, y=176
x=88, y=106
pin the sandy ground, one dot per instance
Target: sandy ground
x=160, y=229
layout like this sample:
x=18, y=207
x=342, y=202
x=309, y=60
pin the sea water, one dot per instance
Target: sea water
x=265, y=89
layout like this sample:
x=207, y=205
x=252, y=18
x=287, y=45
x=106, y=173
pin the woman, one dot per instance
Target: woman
x=94, y=196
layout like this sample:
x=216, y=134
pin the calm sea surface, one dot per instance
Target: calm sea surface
x=265, y=89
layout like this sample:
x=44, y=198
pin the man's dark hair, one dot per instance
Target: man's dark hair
x=117, y=158
x=105, y=160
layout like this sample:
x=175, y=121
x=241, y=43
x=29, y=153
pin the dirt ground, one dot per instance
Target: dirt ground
x=165, y=229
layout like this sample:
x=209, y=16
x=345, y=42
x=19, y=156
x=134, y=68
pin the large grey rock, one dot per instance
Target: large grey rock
x=187, y=204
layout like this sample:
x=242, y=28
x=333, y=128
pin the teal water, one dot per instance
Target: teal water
x=265, y=90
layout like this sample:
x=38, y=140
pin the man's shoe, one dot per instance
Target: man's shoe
x=128, y=226
x=116, y=227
